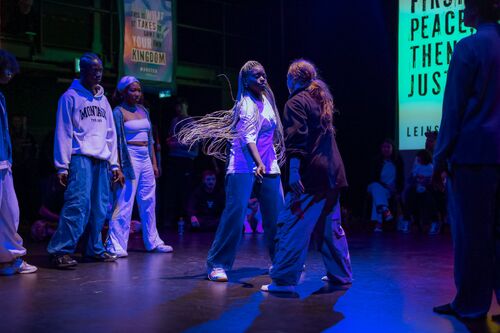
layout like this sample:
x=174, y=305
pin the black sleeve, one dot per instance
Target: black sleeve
x=295, y=128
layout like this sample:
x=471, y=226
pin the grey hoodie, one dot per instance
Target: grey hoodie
x=84, y=126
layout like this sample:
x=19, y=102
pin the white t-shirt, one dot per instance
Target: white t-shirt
x=262, y=134
x=388, y=174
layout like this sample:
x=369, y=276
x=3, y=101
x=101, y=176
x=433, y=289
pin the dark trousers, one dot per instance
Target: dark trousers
x=229, y=232
x=474, y=214
x=178, y=184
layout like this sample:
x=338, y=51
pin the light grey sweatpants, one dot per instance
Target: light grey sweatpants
x=11, y=244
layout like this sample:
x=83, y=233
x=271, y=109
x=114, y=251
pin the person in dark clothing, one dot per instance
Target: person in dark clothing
x=386, y=181
x=316, y=176
x=467, y=156
x=179, y=166
x=206, y=203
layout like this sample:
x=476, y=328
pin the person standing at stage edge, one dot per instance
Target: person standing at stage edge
x=85, y=147
x=316, y=176
x=467, y=155
x=11, y=244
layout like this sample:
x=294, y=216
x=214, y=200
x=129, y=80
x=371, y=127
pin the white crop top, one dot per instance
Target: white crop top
x=137, y=129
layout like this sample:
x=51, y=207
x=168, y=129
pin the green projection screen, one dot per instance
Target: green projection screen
x=428, y=32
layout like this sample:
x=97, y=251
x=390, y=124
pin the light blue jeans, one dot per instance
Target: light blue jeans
x=229, y=232
x=296, y=224
x=86, y=201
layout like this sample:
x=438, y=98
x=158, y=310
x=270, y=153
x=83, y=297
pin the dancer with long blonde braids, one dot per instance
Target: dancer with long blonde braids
x=250, y=138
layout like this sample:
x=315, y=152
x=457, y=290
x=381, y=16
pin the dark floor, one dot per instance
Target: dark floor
x=398, y=278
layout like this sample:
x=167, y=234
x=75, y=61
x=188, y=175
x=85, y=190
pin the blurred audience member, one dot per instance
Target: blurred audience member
x=206, y=203
x=387, y=181
x=179, y=166
x=420, y=198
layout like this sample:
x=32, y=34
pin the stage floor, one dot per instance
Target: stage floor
x=398, y=279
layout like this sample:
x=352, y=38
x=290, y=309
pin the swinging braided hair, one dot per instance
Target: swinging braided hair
x=214, y=130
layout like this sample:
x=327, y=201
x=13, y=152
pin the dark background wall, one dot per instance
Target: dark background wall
x=353, y=43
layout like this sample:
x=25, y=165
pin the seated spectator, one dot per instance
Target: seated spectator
x=420, y=197
x=52, y=202
x=387, y=181
x=253, y=220
x=206, y=203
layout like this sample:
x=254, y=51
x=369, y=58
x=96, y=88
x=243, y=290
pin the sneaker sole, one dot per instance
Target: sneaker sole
x=217, y=279
x=65, y=265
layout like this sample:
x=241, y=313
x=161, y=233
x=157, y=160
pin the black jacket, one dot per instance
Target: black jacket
x=321, y=167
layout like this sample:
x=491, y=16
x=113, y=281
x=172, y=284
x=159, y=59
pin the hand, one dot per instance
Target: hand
x=118, y=177
x=295, y=183
x=63, y=178
x=260, y=171
x=439, y=179
x=194, y=222
x=156, y=171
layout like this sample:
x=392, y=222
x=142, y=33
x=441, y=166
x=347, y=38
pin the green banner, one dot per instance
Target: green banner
x=428, y=33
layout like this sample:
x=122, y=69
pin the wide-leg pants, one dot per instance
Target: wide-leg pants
x=86, y=201
x=229, y=232
x=11, y=244
x=301, y=216
x=474, y=214
x=142, y=188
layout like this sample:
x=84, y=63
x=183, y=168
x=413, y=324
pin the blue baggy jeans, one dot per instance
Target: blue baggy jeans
x=86, y=201
x=229, y=232
x=296, y=224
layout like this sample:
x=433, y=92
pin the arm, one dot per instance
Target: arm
x=151, y=146
x=247, y=132
x=261, y=169
x=459, y=85
x=63, y=138
x=155, y=165
x=112, y=141
x=296, y=132
x=295, y=128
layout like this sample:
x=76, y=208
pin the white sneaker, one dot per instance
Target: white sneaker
x=163, y=249
x=25, y=268
x=18, y=266
x=274, y=288
x=121, y=255
x=217, y=275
